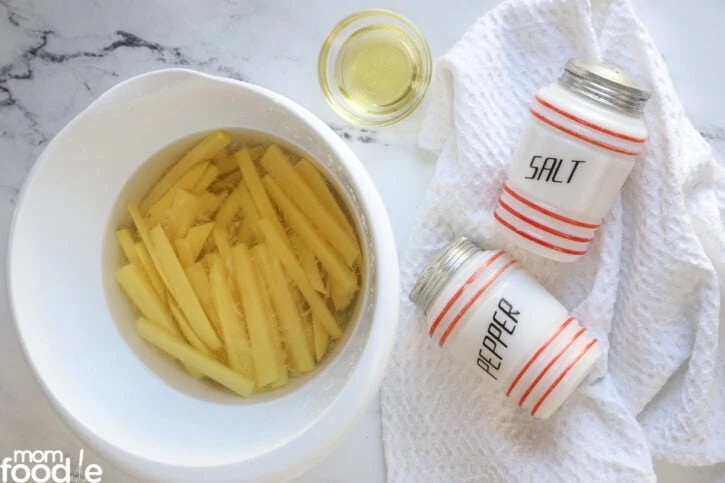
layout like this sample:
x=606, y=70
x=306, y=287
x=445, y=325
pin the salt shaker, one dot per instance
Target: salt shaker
x=491, y=314
x=575, y=152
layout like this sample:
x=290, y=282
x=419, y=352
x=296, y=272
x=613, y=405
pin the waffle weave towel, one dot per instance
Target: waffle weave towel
x=649, y=288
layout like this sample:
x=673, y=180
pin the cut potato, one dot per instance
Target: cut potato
x=159, y=211
x=260, y=337
x=186, y=329
x=251, y=213
x=236, y=341
x=200, y=283
x=314, y=180
x=139, y=290
x=183, y=251
x=206, y=179
x=197, y=237
x=128, y=245
x=145, y=234
x=180, y=287
x=192, y=358
x=205, y=149
x=259, y=194
x=229, y=208
x=336, y=268
x=322, y=340
x=183, y=212
x=341, y=299
x=242, y=264
x=208, y=204
x=290, y=321
x=225, y=162
x=309, y=264
x=221, y=240
x=151, y=272
x=280, y=168
x=297, y=274
x=259, y=255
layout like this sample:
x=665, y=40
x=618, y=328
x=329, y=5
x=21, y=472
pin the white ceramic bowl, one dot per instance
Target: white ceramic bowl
x=119, y=395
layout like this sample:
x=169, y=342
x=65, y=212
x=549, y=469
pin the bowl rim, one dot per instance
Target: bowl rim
x=307, y=448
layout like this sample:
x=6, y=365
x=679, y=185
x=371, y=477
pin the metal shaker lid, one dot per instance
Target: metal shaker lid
x=440, y=270
x=606, y=84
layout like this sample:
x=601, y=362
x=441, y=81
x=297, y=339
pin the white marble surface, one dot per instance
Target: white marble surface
x=57, y=56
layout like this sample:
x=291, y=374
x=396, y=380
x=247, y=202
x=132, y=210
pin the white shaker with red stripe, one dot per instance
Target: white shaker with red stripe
x=485, y=309
x=575, y=152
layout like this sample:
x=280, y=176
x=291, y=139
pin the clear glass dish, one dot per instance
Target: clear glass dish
x=375, y=67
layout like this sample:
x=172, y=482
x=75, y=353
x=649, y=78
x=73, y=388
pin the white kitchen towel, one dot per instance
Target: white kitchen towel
x=650, y=287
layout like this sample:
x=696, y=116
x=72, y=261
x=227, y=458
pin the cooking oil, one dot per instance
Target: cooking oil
x=378, y=68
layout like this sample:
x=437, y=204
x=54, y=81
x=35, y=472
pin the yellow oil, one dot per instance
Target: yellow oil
x=378, y=68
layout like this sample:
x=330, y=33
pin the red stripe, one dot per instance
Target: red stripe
x=540, y=209
x=561, y=376
x=540, y=226
x=551, y=363
x=581, y=136
x=589, y=124
x=458, y=293
x=475, y=297
x=536, y=240
x=563, y=326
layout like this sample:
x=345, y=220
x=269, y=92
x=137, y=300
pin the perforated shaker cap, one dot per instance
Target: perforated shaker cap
x=440, y=270
x=606, y=84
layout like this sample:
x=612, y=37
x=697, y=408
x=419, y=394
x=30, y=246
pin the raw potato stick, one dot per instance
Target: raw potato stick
x=158, y=212
x=145, y=234
x=128, y=245
x=151, y=272
x=258, y=193
x=263, y=351
x=188, y=333
x=200, y=283
x=340, y=273
x=224, y=216
x=206, y=179
x=182, y=291
x=279, y=167
x=225, y=163
x=139, y=290
x=341, y=299
x=251, y=213
x=183, y=250
x=314, y=179
x=322, y=340
x=309, y=264
x=208, y=204
x=207, y=148
x=297, y=274
x=182, y=214
x=221, y=240
x=197, y=237
x=193, y=358
x=259, y=254
x=290, y=321
x=236, y=341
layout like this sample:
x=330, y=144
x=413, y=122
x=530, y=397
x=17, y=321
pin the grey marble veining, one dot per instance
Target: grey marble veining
x=58, y=56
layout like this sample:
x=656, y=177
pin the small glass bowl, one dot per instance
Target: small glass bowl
x=330, y=66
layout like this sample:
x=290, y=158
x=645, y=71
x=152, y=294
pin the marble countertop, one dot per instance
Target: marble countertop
x=56, y=57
